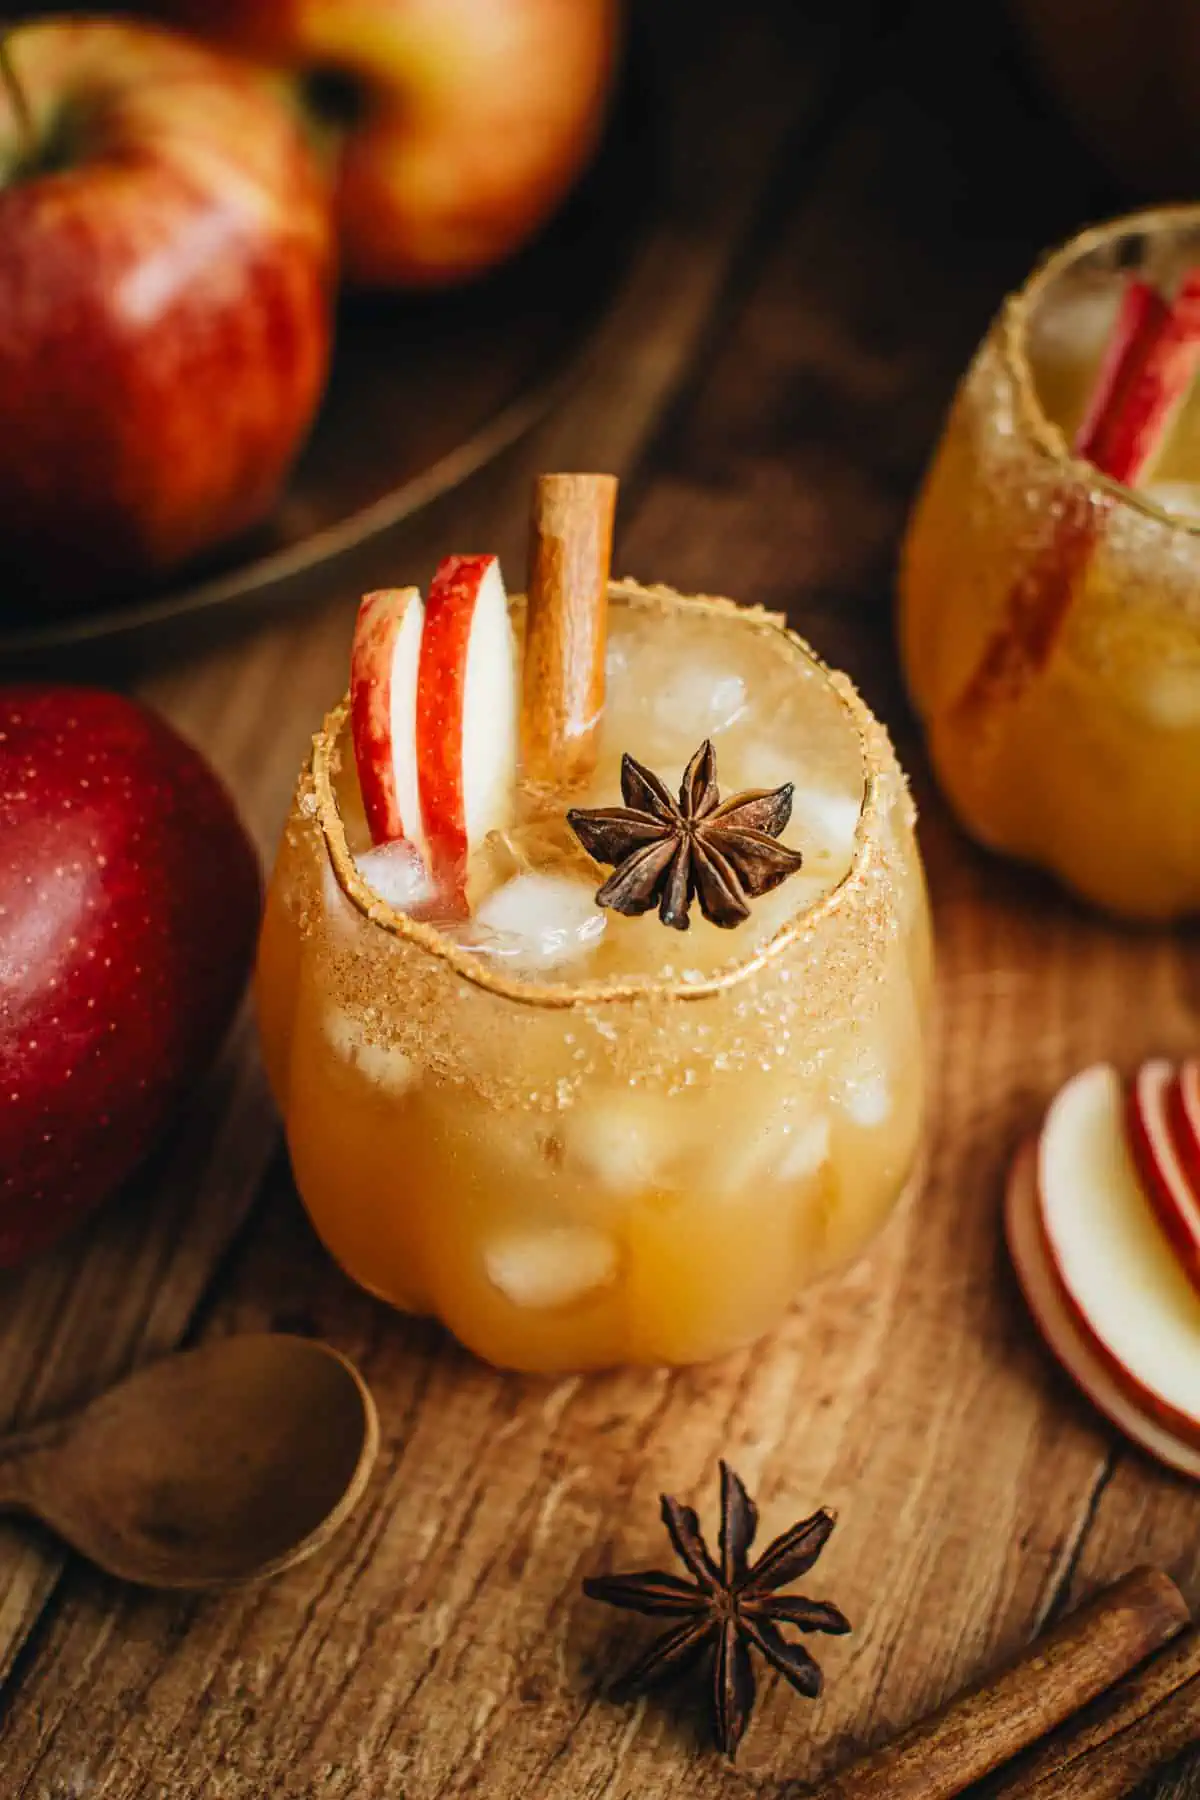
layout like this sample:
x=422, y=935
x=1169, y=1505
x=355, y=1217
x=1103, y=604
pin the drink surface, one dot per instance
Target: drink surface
x=1090, y=764
x=564, y=1153
x=673, y=680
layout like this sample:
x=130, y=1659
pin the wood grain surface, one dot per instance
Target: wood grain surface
x=839, y=222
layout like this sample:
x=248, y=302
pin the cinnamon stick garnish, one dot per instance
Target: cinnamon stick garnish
x=991, y=1723
x=1120, y=1739
x=570, y=551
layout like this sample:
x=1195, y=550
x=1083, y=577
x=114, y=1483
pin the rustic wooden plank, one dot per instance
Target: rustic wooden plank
x=442, y=1647
x=130, y=1285
x=126, y=1289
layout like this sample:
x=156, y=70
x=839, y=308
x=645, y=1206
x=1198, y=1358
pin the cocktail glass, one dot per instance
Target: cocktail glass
x=1050, y=616
x=595, y=1140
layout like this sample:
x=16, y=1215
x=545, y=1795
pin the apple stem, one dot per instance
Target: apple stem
x=17, y=96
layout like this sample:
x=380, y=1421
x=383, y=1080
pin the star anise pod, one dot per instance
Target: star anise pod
x=667, y=853
x=727, y=1607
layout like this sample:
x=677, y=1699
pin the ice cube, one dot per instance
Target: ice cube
x=863, y=1091
x=1168, y=697
x=397, y=874
x=789, y=1142
x=623, y=1140
x=383, y=1065
x=824, y=823
x=552, y=1267
x=697, y=700
x=1076, y=323
x=538, y=921
x=1181, y=498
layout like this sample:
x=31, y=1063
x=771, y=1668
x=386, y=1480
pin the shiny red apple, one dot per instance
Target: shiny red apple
x=455, y=127
x=165, y=266
x=129, y=900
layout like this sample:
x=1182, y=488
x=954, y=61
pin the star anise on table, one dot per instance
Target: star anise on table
x=665, y=852
x=726, y=1608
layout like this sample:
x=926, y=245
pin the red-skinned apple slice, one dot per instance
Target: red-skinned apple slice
x=1128, y=422
x=1068, y=1340
x=1117, y=1270
x=1159, y=1164
x=1183, y=1111
x=466, y=711
x=383, y=712
x=1144, y=375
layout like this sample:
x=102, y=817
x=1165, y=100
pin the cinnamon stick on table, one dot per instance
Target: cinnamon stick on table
x=1120, y=1739
x=570, y=551
x=989, y=1724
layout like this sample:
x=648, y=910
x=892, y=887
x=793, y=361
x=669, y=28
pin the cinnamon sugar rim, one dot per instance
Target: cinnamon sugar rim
x=876, y=754
x=1013, y=335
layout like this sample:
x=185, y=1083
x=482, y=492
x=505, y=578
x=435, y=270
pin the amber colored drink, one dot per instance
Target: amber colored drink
x=1087, y=761
x=581, y=1139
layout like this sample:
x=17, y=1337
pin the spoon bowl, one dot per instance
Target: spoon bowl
x=219, y=1465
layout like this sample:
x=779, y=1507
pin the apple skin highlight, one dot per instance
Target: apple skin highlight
x=129, y=895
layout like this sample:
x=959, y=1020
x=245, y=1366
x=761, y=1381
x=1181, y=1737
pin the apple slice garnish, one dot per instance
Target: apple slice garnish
x=1148, y=365
x=467, y=711
x=1155, y=1144
x=1068, y=1339
x=1114, y=1264
x=384, y=663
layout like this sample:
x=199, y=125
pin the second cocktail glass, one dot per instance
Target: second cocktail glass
x=1050, y=615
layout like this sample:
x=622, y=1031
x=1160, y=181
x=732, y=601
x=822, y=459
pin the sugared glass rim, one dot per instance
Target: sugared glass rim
x=875, y=750
x=1014, y=328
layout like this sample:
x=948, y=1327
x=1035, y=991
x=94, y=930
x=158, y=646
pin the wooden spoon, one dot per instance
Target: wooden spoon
x=217, y=1465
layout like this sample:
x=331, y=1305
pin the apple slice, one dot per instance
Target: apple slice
x=1148, y=375
x=1114, y=1264
x=1156, y=1155
x=467, y=711
x=1067, y=1339
x=1183, y=1111
x=1150, y=362
x=383, y=712
x=1140, y=318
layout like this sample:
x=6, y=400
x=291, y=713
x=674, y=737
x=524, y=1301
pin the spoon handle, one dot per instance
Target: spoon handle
x=26, y=1459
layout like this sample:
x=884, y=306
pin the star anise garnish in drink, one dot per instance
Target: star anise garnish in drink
x=727, y=1607
x=666, y=853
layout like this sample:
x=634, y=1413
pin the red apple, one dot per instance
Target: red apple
x=1117, y=1271
x=466, y=711
x=1066, y=1336
x=1156, y=1150
x=128, y=908
x=383, y=712
x=165, y=260
x=455, y=126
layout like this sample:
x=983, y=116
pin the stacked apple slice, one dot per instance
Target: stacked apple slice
x=1103, y=1223
x=433, y=715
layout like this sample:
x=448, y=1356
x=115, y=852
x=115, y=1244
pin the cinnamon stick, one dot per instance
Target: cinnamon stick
x=570, y=551
x=989, y=1724
x=1118, y=1740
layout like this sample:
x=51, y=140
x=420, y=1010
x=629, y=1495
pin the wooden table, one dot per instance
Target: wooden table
x=841, y=213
